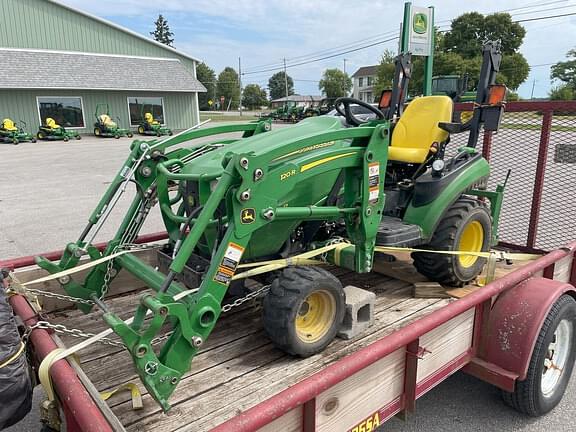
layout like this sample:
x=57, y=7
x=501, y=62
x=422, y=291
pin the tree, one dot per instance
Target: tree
x=385, y=72
x=162, y=33
x=459, y=52
x=254, y=96
x=207, y=77
x=563, y=92
x=228, y=87
x=335, y=83
x=566, y=71
x=277, y=86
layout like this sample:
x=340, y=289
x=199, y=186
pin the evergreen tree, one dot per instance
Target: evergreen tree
x=162, y=33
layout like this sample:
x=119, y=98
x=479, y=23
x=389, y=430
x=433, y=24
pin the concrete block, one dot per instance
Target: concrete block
x=359, y=312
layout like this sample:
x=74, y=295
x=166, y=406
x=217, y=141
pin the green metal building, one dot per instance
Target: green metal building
x=60, y=62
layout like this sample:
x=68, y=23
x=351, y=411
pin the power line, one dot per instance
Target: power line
x=546, y=17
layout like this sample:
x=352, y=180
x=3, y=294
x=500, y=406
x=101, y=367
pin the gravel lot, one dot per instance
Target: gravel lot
x=48, y=189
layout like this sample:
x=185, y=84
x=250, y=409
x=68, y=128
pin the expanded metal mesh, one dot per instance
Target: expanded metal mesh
x=539, y=211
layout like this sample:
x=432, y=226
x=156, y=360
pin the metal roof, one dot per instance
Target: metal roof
x=125, y=30
x=366, y=71
x=45, y=69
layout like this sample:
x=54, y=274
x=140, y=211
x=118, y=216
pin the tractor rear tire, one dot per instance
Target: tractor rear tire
x=466, y=225
x=551, y=363
x=304, y=310
x=97, y=131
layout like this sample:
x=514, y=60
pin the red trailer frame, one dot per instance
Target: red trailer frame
x=532, y=283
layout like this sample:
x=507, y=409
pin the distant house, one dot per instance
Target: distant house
x=299, y=100
x=364, y=79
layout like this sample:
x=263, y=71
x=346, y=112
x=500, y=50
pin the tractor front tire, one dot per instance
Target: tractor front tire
x=15, y=141
x=40, y=135
x=66, y=138
x=551, y=363
x=304, y=310
x=33, y=140
x=466, y=226
x=129, y=135
x=78, y=137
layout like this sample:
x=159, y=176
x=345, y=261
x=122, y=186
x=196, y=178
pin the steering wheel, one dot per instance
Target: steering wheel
x=347, y=112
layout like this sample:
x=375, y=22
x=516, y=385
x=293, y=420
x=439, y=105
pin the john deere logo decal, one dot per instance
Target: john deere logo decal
x=248, y=216
x=420, y=24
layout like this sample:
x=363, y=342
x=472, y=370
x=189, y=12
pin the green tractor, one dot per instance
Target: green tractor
x=52, y=131
x=331, y=187
x=105, y=126
x=456, y=88
x=150, y=126
x=10, y=133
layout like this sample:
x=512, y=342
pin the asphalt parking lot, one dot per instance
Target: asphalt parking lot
x=47, y=191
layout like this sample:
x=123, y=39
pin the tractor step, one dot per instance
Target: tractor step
x=393, y=232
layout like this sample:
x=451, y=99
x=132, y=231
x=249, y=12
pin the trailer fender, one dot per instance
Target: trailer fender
x=515, y=321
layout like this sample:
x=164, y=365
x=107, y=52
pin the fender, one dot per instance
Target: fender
x=515, y=321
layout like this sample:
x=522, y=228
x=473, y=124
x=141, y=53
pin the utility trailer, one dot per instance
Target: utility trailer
x=240, y=382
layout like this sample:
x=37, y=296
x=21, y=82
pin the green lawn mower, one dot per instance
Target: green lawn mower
x=105, y=126
x=151, y=126
x=332, y=187
x=12, y=134
x=51, y=131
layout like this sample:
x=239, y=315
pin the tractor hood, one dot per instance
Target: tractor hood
x=210, y=163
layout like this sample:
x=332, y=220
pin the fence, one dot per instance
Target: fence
x=537, y=143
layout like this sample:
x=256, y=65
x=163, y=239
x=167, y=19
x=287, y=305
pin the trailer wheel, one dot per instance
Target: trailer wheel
x=466, y=226
x=551, y=363
x=304, y=310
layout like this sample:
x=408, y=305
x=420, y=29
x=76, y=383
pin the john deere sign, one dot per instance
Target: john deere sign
x=420, y=36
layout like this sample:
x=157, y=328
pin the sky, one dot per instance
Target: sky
x=264, y=32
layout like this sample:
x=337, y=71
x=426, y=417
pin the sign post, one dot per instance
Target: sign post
x=418, y=38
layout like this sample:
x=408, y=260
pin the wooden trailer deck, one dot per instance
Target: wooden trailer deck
x=239, y=367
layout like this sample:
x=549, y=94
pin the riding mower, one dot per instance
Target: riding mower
x=151, y=126
x=10, y=133
x=105, y=126
x=264, y=205
x=51, y=131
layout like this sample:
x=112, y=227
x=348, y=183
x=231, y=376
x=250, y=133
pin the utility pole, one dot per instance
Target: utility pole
x=285, y=80
x=344, y=65
x=240, y=84
x=533, y=85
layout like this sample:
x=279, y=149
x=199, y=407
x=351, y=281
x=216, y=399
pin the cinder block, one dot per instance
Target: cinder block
x=359, y=312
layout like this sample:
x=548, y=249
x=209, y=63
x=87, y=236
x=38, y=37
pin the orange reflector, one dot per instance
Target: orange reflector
x=496, y=94
x=385, y=99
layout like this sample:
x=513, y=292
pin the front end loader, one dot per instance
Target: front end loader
x=268, y=205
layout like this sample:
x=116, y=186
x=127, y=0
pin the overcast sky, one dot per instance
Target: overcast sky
x=263, y=32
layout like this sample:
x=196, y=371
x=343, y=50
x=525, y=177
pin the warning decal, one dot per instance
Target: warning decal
x=373, y=181
x=229, y=263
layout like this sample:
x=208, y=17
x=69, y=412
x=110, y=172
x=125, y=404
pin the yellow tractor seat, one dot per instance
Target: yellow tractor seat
x=149, y=119
x=417, y=130
x=107, y=121
x=8, y=125
x=51, y=123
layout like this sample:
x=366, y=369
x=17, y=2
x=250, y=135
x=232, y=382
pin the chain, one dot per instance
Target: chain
x=252, y=295
x=77, y=333
x=59, y=296
x=332, y=241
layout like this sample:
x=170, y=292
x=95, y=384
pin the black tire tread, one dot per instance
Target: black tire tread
x=438, y=267
x=284, y=293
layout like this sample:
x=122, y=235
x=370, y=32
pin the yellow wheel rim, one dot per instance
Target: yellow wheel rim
x=471, y=240
x=315, y=316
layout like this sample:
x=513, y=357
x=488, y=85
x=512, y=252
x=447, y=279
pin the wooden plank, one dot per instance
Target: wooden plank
x=445, y=343
x=289, y=422
x=562, y=269
x=429, y=290
x=357, y=397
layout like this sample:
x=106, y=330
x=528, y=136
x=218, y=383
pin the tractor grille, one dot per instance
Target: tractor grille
x=537, y=142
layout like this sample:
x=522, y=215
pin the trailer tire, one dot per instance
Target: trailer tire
x=304, y=310
x=466, y=218
x=538, y=395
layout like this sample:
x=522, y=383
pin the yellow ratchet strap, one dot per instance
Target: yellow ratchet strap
x=134, y=390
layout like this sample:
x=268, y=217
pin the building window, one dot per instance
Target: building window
x=66, y=111
x=369, y=81
x=369, y=97
x=360, y=82
x=138, y=106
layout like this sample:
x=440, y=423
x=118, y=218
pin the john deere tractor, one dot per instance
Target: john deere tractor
x=10, y=133
x=150, y=126
x=105, y=126
x=50, y=131
x=330, y=187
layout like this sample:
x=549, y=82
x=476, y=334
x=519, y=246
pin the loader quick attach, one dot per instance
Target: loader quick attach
x=233, y=203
